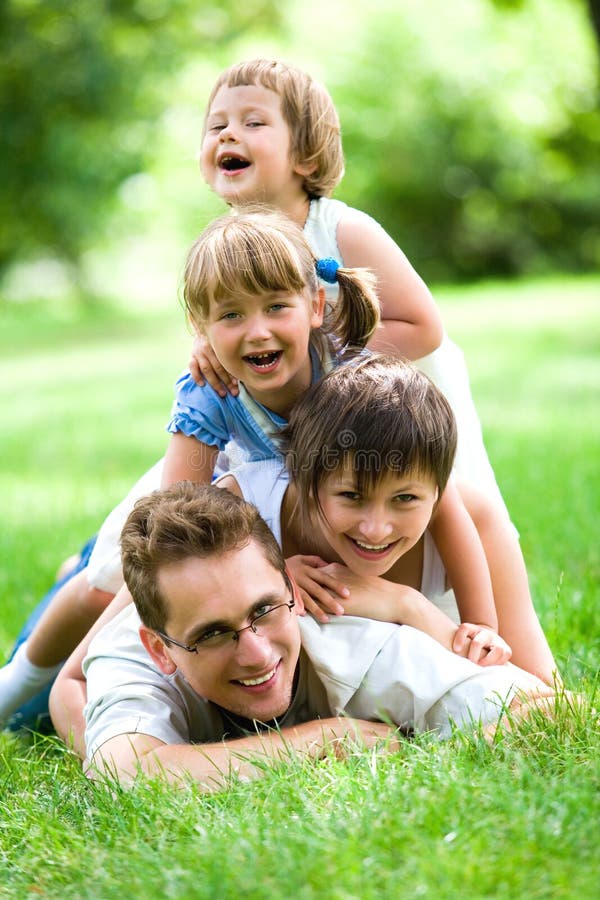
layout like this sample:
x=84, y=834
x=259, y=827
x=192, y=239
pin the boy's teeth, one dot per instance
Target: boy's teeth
x=251, y=681
x=372, y=546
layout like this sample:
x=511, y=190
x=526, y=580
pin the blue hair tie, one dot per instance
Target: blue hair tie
x=327, y=269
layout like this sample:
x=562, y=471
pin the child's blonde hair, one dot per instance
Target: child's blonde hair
x=308, y=111
x=261, y=251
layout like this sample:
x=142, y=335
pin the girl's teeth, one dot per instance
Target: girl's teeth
x=372, y=546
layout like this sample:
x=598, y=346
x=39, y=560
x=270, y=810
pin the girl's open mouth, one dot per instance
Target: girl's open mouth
x=371, y=551
x=264, y=362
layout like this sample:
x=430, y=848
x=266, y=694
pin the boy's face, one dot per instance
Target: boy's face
x=371, y=531
x=245, y=154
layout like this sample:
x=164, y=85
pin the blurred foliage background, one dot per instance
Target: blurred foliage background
x=471, y=131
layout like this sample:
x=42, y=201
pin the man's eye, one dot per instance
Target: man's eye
x=212, y=635
x=262, y=610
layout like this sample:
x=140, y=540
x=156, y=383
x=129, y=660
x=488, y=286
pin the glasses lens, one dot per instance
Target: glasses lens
x=268, y=621
x=272, y=618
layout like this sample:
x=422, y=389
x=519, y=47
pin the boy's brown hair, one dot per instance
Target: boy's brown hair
x=308, y=111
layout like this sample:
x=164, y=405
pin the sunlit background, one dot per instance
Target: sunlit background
x=471, y=131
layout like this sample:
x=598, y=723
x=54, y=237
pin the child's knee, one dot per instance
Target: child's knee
x=94, y=599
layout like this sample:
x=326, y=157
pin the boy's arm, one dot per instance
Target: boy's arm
x=212, y=764
x=188, y=459
x=411, y=322
x=464, y=559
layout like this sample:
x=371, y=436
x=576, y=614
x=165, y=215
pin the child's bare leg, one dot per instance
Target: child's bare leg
x=518, y=623
x=66, y=621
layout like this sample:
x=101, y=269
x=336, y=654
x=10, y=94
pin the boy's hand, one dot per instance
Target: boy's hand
x=205, y=367
x=480, y=644
x=318, y=588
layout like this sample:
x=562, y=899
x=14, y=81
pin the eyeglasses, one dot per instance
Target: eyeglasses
x=270, y=620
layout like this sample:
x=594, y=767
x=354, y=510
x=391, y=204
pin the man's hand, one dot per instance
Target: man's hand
x=480, y=644
x=205, y=367
x=318, y=589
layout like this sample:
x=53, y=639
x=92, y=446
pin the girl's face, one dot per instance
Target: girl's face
x=263, y=340
x=372, y=530
x=245, y=154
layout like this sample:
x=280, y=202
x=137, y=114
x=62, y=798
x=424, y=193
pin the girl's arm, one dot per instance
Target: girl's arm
x=372, y=597
x=462, y=553
x=468, y=573
x=205, y=368
x=411, y=323
x=188, y=459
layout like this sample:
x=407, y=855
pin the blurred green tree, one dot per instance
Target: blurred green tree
x=82, y=85
x=476, y=143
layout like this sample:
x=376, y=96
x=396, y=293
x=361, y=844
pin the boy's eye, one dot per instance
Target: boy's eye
x=254, y=124
x=228, y=316
x=275, y=307
x=217, y=127
x=405, y=498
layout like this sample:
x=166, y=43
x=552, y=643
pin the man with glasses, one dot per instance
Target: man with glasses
x=221, y=655
x=207, y=675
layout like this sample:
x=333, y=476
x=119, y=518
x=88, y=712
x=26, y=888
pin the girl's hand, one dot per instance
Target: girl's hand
x=205, y=367
x=318, y=589
x=481, y=645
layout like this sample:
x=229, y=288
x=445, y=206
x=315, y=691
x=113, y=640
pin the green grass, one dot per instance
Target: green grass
x=84, y=398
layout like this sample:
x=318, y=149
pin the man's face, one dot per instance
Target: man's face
x=253, y=676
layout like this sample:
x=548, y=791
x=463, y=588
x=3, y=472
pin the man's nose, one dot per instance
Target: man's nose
x=253, y=649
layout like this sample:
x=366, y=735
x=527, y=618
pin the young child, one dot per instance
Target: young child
x=369, y=451
x=272, y=134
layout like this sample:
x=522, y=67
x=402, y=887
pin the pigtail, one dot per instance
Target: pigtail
x=356, y=314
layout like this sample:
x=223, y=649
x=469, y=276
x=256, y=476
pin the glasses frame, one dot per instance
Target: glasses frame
x=235, y=633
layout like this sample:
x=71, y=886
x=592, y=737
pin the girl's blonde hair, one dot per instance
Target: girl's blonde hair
x=260, y=251
x=308, y=111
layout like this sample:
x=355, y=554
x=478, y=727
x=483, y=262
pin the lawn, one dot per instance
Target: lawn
x=85, y=395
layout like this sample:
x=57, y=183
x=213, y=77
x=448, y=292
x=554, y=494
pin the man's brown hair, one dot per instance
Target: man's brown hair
x=186, y=520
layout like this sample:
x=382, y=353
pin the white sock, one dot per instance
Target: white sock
x=20, y=680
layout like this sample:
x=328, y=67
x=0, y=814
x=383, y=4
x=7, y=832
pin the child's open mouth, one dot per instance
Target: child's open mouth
x=264, y=362
x=233, y=163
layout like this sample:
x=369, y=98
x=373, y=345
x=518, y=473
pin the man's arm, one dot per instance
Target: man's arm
x=212, y=764
x=68, y=695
